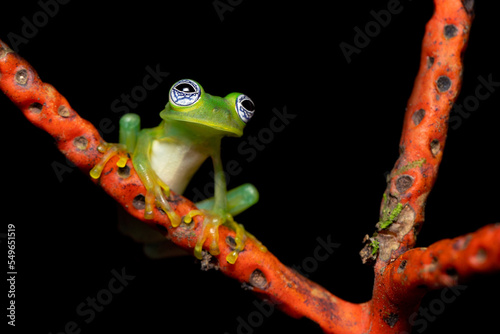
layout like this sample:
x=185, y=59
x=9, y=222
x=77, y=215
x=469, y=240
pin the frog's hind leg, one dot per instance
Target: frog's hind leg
x=238, y=199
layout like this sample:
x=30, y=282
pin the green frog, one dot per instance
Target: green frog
x=166, y=157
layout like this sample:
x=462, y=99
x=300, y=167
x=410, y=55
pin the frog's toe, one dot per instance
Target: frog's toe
x=210, y=230
x=109, y=150
x=238, y=243
x=156, y=197
x=149, y=204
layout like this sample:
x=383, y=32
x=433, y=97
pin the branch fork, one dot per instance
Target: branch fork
x=403, y=274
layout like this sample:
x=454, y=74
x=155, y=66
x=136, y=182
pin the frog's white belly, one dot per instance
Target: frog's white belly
x=175, y=163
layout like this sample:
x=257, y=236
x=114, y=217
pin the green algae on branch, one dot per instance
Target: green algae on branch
x=407, y=167
x=375, y=245
x=388, y=215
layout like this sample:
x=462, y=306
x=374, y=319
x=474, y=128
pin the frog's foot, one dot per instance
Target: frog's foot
x=109, y=151
x=156, y=195
x=240, y=238
x=211, y=224
x=156, y=190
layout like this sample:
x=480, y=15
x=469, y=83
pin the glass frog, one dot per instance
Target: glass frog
x=167, y=156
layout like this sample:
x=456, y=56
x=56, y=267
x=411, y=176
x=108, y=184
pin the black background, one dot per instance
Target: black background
x=323, y=174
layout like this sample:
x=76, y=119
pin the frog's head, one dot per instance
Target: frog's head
x=227, y=115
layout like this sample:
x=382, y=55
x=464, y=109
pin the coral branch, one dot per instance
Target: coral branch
x=402, y=284
x=445, y=263
x=424, y=131
x=261, y=271
x=402, y=275
x=413, y=176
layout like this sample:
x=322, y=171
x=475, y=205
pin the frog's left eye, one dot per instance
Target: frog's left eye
x=244, y=107
x=185, y=93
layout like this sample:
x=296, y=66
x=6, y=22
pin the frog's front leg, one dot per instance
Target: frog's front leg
x=217, y=211
x=238, y=200
x=211, y=222
x=129, y=128
x=156, y=190
x=138, y=143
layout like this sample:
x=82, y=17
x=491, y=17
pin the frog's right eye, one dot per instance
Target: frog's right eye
x=185, y=93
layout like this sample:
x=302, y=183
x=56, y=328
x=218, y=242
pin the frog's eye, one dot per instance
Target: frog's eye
x=185, y=93
x=244, y=107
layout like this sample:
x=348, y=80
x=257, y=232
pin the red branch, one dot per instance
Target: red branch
x=425, y=126
x=402, y=274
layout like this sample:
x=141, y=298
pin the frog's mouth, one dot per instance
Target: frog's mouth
x=224, y=130
x=221, y=122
